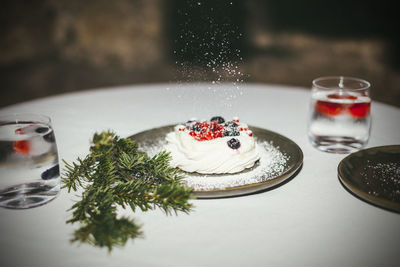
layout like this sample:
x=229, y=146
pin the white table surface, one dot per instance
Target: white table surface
x=309, y=221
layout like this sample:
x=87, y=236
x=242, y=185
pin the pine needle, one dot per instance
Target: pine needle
x=115, y=174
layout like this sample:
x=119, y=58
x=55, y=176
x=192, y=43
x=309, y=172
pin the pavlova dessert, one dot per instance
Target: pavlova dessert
x=212, y=147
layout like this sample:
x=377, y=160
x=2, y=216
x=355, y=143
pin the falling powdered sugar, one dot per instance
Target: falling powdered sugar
x=271, y=164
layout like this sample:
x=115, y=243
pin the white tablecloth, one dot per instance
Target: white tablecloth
x=309, y=221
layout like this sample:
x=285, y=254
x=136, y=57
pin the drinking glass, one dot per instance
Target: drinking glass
x=29, y=169
x=340, y=120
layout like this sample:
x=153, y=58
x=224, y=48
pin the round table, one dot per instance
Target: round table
x=309, y=221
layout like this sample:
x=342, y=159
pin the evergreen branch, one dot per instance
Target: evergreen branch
x=116, y=174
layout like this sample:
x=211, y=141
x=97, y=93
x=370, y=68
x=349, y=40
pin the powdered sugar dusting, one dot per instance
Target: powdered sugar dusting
x=271, y=164
x=383, y=179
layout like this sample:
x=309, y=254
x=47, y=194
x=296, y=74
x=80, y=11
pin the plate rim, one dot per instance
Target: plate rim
x=375, y=200
x=246, y=188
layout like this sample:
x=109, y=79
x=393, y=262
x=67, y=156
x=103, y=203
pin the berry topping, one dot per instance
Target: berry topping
x=234, y=143
x=231, y=129
x=216, y=128
x=190, y=123
x=207, y=134
x=205, y=124
x=196, y=127
x=218, y=119
x=218, y=134
x=231, y=132
x=230, y=124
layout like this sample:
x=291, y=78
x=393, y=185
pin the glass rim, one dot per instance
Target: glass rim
x=17, y=117
x=366, y=84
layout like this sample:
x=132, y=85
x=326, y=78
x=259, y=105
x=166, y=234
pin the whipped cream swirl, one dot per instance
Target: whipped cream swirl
x=211, y=156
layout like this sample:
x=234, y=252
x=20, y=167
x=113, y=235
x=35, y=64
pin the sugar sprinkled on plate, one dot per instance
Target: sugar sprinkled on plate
x=383, y=179
x=271, y=164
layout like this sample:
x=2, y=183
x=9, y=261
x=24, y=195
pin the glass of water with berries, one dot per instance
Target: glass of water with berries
x=29, y=169
x=339, y=120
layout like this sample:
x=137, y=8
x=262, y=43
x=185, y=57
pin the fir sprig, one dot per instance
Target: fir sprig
x=114, y=174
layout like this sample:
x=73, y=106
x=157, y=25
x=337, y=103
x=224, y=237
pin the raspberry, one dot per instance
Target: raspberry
x=196, y=127
x=217, y=134
x=205, y=124
x=208, y=136
x=198, y=138
x=208, y=130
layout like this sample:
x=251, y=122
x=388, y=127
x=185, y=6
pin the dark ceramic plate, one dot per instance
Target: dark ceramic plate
x=373, y=175
x=153, y=137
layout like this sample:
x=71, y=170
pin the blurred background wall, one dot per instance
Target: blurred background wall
x=54, y=46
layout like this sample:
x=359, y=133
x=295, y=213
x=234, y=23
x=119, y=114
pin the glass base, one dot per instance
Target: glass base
x=28, y=195
x=338, y=145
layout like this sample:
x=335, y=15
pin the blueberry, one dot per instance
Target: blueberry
x=218, y=119
x=231, y=132
x=231, y=129
x=196, y=128
x=189, y=124
x=231, y=124
x=234, y=143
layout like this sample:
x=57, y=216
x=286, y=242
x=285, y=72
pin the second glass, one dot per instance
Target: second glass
x=340, y=118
